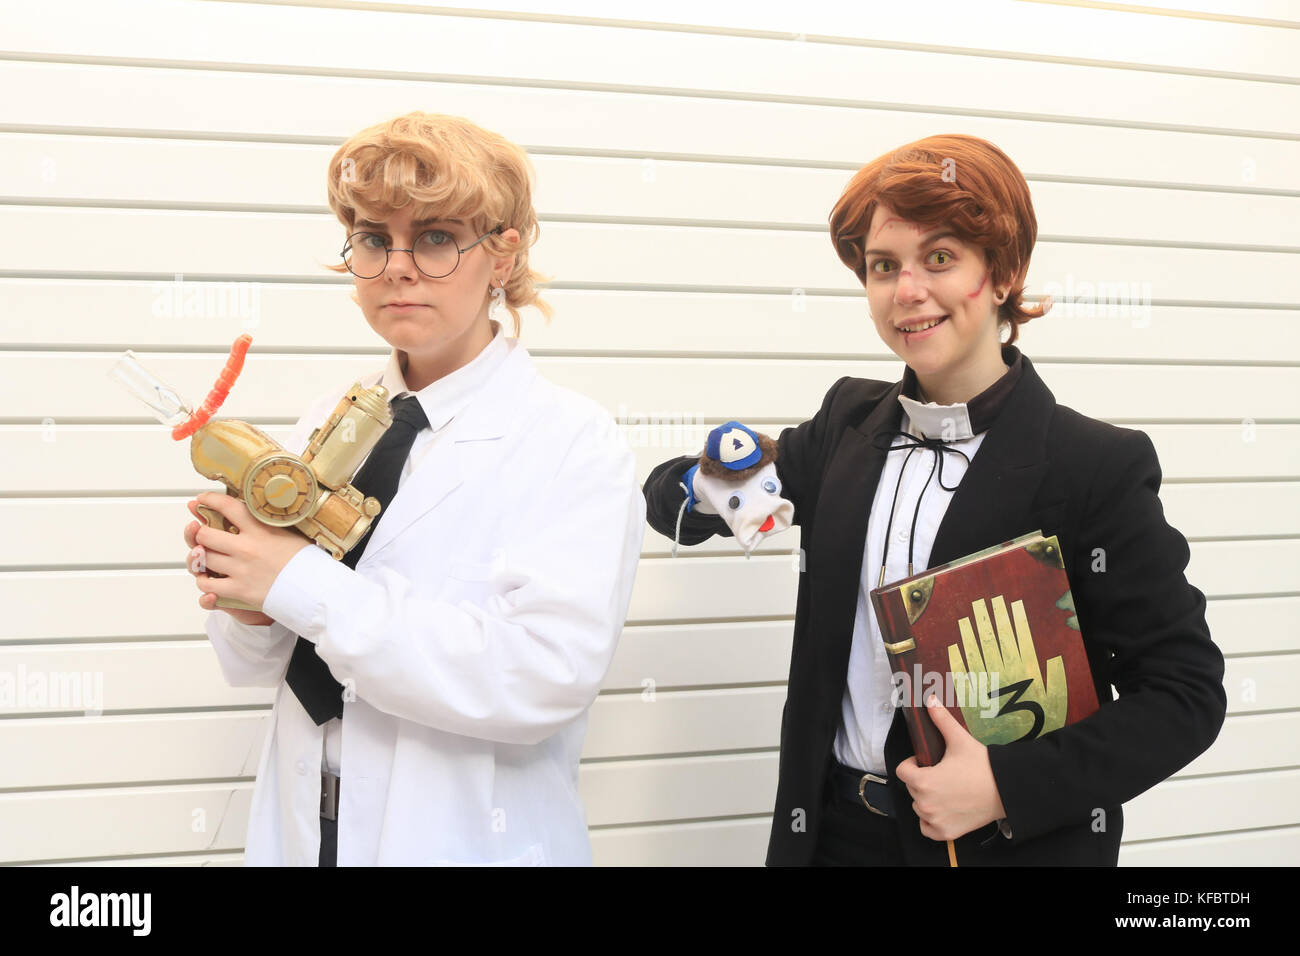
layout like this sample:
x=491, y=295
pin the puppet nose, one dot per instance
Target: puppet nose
x=768, y=524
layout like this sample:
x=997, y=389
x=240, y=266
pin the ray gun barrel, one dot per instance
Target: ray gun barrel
x=311, y=493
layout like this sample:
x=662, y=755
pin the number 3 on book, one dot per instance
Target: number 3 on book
x=1013, y=702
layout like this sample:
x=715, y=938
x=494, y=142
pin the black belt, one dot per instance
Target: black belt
x=861, y=788
x=329, y=796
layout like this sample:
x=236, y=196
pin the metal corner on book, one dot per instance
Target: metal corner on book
x=1046, y=551
x=916, y=595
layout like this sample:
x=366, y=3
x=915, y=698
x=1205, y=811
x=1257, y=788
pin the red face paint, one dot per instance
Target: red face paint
x=887, y=222
x=971, y=295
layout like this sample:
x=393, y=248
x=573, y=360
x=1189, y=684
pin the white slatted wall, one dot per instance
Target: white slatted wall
x=687, y=161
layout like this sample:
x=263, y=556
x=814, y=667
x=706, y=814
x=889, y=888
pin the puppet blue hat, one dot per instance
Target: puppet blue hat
x=734, y=445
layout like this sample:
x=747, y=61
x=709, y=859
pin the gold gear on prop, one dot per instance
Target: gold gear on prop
x=280, y=490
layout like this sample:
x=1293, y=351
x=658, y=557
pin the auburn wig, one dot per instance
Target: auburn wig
x=962, y=182
x=448, y=168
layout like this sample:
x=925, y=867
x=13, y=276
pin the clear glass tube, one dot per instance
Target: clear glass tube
x=162, y=400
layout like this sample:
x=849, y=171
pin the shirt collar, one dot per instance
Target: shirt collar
x=962, y=419
x=445, y=398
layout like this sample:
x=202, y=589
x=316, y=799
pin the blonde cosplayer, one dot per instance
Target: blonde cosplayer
x=448, y=168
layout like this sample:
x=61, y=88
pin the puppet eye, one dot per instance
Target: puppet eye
x=736, y=502
x=771, y=485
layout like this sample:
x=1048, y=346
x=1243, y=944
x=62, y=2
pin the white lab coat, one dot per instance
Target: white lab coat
x=475, y=630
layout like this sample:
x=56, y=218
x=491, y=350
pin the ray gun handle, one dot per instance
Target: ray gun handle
x=312, y=492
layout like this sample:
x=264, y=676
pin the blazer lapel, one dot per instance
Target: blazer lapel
x=993, y=502
x=486, y=418
x=840, y=534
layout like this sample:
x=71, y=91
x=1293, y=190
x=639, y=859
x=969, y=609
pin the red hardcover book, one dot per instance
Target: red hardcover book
x=994, y=636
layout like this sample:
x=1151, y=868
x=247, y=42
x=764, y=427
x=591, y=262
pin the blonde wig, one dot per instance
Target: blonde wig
x=449, y=168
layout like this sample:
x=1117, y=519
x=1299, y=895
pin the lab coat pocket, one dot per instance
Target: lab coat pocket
x=469, y=581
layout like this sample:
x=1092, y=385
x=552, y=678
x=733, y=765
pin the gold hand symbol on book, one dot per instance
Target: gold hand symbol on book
x=1013, y=702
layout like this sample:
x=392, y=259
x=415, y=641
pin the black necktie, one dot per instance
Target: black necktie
x=309, y=677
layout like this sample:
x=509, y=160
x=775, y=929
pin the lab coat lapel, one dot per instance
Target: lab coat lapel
x=486, y=418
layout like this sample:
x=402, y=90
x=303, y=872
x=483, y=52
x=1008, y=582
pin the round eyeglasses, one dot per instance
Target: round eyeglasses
x=435, y=253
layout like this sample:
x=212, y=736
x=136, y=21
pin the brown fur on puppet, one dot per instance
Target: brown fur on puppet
x=716, y=469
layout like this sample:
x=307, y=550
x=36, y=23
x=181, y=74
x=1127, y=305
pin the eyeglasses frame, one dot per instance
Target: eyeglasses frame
x=389, y=250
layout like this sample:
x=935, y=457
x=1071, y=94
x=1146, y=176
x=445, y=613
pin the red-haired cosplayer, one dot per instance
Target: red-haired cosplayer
x=940, y=233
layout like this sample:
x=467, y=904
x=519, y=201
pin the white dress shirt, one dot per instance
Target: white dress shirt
x=441, y=401
x=867, y=709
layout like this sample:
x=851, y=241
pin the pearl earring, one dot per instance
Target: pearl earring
x=498, y=301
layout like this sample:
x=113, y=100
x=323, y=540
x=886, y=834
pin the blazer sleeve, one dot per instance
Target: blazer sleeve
x=525, y=660
x=1135, y=604
x=800, y=450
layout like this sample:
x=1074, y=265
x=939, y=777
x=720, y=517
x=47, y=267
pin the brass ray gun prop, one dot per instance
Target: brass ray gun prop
x=311, y=493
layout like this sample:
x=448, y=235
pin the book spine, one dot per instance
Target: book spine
x=900, y=645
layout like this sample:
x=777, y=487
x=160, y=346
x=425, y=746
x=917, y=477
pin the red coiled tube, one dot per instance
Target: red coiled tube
x=226, y=380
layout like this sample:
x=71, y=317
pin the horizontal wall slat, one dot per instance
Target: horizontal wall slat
x=1130, y=36
x=44, y=460
x=299, y=246
x=54, y=604
x=1214, y=805
x=1272, y=847
x=46, y=752
x=52, y=532
x=543, y=53
x=740, y=842
x=130, y=820
x=52, y=752
x=53, y=168
x=704, y=389
x=164, y=602
x=743, y=842
x=77, y=97
x=140, y=820
x=672, y=655
x=159, y=675
x=119, y=313
x=152, y=820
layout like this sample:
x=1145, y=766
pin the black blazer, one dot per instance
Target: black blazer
x=1041, y=466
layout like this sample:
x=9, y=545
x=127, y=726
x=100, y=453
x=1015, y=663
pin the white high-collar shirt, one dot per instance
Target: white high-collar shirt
x=441, y=401
x=867, y=709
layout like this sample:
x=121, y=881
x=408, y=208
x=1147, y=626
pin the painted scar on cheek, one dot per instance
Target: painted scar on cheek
x=971, y=295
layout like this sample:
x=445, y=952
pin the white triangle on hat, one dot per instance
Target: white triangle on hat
x=734, y=445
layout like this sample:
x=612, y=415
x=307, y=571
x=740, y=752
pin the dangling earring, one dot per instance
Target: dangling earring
x=498, y=302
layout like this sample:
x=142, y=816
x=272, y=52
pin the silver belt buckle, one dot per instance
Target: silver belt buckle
x=862, y=787
x=329, y=796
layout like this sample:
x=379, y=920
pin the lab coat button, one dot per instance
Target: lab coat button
x=302, y=766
